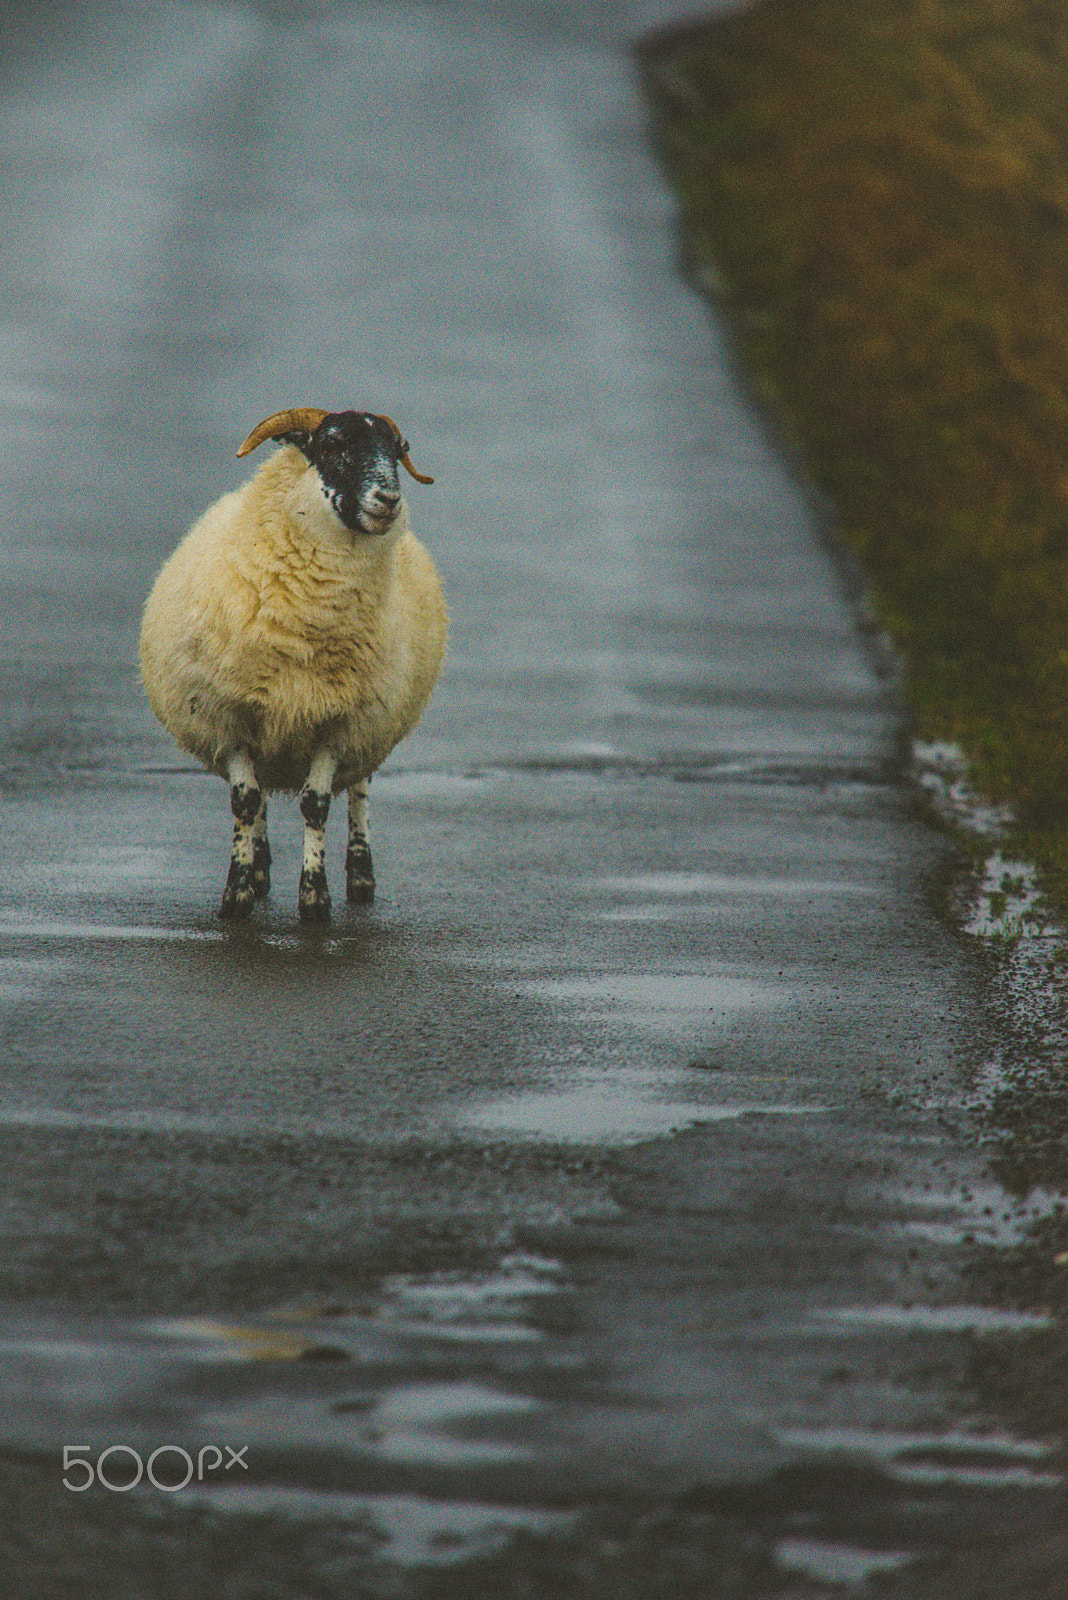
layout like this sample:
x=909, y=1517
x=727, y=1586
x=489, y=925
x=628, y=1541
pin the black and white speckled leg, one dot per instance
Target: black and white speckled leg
x=246, y=803
x=315, y=808
x=359, y=871
x=261, y=853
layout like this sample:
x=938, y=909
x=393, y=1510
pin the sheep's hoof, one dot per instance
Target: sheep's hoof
x=361, y=891
x=238, y=899
x=314, y=898
x=261, y=868
x=359, y=877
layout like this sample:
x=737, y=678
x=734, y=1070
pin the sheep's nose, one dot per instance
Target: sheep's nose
x=386, y=498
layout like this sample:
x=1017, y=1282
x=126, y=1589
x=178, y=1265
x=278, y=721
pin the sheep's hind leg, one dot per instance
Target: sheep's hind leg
x=248, y=806
x=315, y=808
x=359, y=871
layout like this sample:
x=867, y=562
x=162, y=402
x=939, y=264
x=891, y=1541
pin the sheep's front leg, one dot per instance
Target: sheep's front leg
x=261, y=853
x=359, y=872
x=250, y=822
x=315, y=808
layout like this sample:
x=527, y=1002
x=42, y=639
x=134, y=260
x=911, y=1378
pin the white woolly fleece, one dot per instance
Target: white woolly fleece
x=273, y=629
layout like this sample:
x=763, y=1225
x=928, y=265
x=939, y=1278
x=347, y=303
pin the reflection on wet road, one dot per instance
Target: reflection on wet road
x=601, y=1170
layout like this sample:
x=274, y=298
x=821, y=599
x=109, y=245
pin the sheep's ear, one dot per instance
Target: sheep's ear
x=298, y=437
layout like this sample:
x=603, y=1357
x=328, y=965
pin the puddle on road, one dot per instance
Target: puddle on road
x=963, y=1460
x=935, y=1319
x=838, y=1564
x=583, y=1116
x=982, y=1214
x=623, y=1105
x=643, y=995
x=941, y=770
x=683, y=885
x=423, y=1422
x=1008, y=902
x=419, y=1374
x=453, y=1306
x=491, y=1305
x=672, y=896
x=46, y=928
x=376, y=1409
x=408, y=1530
x=376, y=1415
x=619, y=1106
x=376, y=1412
x=660, y=1002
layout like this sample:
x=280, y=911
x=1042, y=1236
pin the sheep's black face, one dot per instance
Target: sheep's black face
x=356, y=456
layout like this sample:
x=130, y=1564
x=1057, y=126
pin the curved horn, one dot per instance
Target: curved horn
x=420, y=477
x=302, y=419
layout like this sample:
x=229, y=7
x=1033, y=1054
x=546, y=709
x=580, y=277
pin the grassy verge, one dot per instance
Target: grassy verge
x=879, y=191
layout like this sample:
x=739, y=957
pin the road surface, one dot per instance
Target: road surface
x=589, y=1206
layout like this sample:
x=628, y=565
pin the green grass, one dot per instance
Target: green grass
x=882, y=188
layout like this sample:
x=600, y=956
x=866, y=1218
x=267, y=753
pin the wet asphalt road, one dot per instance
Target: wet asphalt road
x=600, y=1171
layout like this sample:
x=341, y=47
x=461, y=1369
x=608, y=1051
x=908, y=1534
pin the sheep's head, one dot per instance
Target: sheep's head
x=356, y=455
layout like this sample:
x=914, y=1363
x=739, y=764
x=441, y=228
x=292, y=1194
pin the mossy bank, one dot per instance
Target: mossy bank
x=877, y=191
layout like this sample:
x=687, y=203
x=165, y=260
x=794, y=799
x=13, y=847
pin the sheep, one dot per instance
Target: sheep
x=295, y=636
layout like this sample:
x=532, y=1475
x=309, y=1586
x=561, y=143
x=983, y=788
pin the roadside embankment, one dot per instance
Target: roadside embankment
x=877, y=196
